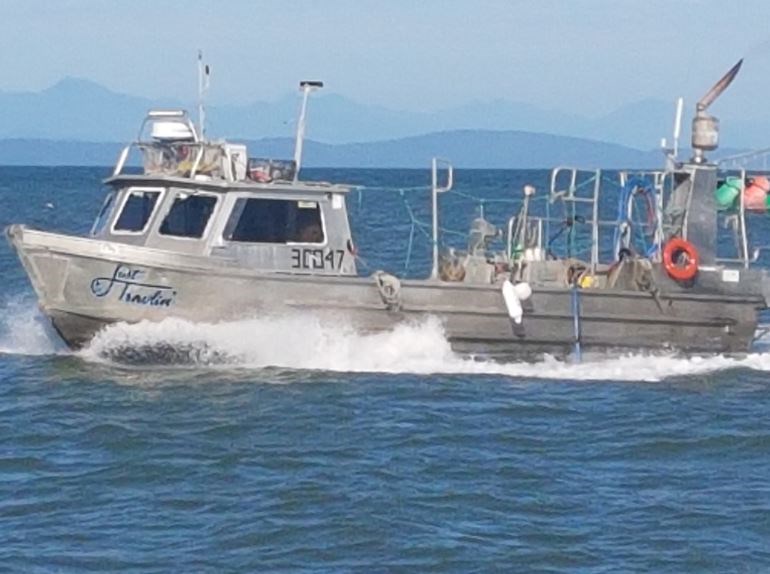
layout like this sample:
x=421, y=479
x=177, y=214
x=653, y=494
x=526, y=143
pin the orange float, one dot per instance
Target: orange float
x=672, y=254
x=755, y=194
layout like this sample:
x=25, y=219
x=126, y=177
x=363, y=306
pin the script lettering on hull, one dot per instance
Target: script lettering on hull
x=128, y=283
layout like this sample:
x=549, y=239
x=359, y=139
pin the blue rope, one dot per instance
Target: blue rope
x=626, y=195
x=416, y=224
x=408, y=259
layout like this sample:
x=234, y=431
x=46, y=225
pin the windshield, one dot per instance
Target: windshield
x=104, y=214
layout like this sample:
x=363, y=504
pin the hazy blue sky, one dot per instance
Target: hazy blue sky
x=586, y=55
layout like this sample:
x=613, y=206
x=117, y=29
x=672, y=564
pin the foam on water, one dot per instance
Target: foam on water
x=25, y=331
x=305, y=342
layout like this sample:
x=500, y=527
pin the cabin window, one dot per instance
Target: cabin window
x=188, y=216
x=136, y=212
x=104, y=214
x=275, y=221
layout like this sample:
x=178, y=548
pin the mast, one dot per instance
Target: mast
x=672, y=153
x=306, y=87
x=204, y=73
x=678, y=125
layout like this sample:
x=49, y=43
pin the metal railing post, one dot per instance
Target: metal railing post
x=435, y=190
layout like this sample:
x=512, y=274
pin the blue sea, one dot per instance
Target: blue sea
x=319, y=450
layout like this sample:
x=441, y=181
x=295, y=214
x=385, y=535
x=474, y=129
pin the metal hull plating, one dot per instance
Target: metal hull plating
x=84, y=284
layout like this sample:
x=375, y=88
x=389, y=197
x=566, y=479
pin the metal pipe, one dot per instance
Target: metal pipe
x=196, y=164
x=306, y=88
x=678, y=126
x=435, y=190
x=509, y=243
x=434, y=215
x=576, y=323
x=744, y=238
x=121, y=161
x=595, y=224
x=203, y=74
x=660, y=188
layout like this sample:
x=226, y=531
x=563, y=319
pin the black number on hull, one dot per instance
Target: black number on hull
x=317, y=259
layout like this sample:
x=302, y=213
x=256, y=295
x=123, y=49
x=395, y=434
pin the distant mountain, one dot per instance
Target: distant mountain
x=42, y=152
x=641, y=123
x=78, y=109
x=74, y=109
x=464, y=148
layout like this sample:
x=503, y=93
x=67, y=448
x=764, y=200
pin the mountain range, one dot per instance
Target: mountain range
x=81, y=110
x=74, y=118
x=464, y=148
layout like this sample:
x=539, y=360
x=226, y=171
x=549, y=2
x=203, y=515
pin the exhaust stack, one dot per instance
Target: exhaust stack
x=705, y=127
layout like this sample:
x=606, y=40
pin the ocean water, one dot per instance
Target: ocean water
x=310, y=449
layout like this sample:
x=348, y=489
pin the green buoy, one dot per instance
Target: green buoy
x=728, y=192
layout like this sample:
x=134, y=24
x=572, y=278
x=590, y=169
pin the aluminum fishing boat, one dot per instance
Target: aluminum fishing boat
x=204, y=233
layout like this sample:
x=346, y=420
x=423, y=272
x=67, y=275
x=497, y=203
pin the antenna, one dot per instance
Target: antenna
x=306, y=87
x=678, y=124
x=672, y=153
x=204, y=75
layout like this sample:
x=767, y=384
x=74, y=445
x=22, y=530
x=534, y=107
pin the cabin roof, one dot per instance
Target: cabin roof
x=223, y=186
x=174, y=151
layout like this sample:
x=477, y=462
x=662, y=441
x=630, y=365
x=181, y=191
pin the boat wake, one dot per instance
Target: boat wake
x=307, y=343
x=25, y=331
x=303, y=342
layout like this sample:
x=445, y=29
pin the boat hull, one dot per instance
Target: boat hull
x=85, y=284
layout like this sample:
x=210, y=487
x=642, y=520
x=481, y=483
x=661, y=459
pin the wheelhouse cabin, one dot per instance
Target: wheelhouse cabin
x=207, y=198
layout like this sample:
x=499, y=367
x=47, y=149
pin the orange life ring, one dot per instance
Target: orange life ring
x=674, y=249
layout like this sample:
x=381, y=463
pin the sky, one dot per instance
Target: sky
x=582, y=56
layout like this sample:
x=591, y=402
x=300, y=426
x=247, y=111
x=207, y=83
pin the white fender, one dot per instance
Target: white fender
x=523, y=291
x=512, y=302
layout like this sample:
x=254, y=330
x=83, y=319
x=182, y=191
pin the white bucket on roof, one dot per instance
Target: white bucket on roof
x=171, y=131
